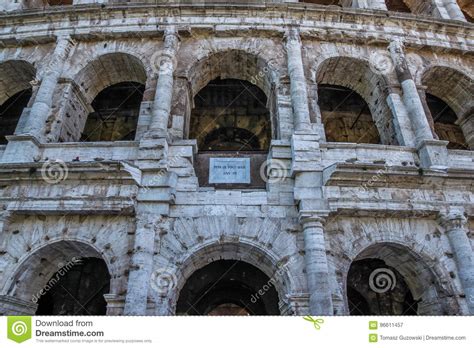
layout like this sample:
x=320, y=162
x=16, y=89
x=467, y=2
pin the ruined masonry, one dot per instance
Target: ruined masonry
x=242, y=158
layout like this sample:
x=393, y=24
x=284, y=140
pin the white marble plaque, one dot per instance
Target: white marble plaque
x=229, y=170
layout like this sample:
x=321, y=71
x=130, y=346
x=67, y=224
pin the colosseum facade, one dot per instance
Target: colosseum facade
x=211, y=157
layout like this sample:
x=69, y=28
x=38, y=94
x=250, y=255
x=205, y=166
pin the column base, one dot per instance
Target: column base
x=21, y=148
x=115, y=304
x=433, y=154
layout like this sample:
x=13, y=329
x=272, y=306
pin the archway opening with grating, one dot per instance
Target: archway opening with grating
x=228, y=287
x=115, y=115
x=231, y=115
x=77, y=290
x=390, y=279
x=346, y=116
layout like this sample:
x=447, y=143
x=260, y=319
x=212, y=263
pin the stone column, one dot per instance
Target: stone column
x=299, y=93
x=141, y=266
x=317, y=273
x=454, y=223
x=411, y=97
x=433, y=153
x=370, y=4
x=453, y=10
x=164, y=87
x=39, y=113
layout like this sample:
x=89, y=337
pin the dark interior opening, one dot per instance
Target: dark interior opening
x=444, y=119
x=116, y=111
x=228, y=287
x=346, y=116
x=386, y=293
x=10, y=112
x=231, y=115
x=78, y=288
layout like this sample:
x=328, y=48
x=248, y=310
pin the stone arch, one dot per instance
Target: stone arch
x=36, y=268
x=248, y=252
x=425, y=278
x=456, y=89
x=238, y=64
x=108, y=70
x=15, y=76
x=366, y=82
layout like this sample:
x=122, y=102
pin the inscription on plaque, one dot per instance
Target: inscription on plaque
x=229, y=170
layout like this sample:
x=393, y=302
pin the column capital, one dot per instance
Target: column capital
x=453, y=219
x=292, y=34
x=313, y=218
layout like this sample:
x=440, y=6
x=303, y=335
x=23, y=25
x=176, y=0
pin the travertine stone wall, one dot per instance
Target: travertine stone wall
x=138, y=204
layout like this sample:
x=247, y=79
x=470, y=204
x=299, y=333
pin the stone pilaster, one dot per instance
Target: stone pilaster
x=164, y=87
x=299, y=93
x=432, y=153
x=40, y=110
x=454, y=223
x=136, y=300
x=317, y=273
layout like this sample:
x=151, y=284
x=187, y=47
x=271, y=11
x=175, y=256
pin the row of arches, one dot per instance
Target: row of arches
x=234, y=285
x=418, y=7
x=231, y=109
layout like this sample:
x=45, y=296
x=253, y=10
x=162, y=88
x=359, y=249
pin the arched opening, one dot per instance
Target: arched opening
x=64, y=277
x=77, y=289
x=449, y=104
x=231, y=115
x=346, y=116
x=15, y=94
x=445, y=123
x=352, y=98
x=228, y=287
x=385, y=294
x=389, y=279
x=104, y=102
x=115, y=115
x=10, y=112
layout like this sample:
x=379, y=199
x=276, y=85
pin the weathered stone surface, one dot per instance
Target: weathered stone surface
x=325, y=210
